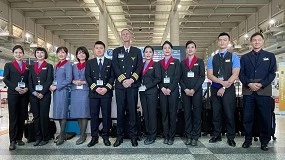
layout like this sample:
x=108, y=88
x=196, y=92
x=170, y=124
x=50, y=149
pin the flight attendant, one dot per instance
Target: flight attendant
x=62, y=78
x=150, y=77
x=169, y=92
x=40, y=79
x=79, y=105
x=100, y=78
x=223, y=69
x=16, y=78
x=192, y=78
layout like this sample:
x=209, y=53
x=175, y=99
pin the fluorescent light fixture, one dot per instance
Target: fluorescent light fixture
x=179, y=6
x=246, y=35
x=28, y=35
x=272, y=21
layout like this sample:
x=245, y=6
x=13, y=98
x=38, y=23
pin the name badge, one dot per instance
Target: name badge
x=221, y=78
x=44, y=68
x=79, y=87
x=227, y=60
x=265, y=59
x=39, y=87
x=121, y=56
x=190, y=74
x=142, y=88
x=21, y=84
x=166, y=80
x=100, y=82
x=54, y=83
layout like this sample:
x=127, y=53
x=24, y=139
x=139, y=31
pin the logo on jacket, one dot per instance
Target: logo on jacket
x=133, y=58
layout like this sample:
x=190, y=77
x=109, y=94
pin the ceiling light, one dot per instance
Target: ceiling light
x=246, y=35
x=28, y=35
x=272, y=21
x=229, y=45
x=179, y=6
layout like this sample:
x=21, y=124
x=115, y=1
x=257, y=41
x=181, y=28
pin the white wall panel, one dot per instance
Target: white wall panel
x=251, y=22
x=30, y=25
x=4, y=11
x=17, y=18
x=263, y=14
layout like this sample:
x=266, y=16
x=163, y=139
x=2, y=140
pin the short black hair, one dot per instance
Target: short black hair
x=41, y=49
x=167, y=42
x=224, y=34
x=62, y=48
x=18, y=47
x=101, y=43
x=84, y=50
x=256, y=34
x=190, y=42
x=148, y=47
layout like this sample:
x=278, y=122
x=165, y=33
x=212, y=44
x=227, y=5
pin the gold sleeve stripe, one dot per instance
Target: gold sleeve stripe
x=109, y=85
x=93, y=85
x=121, y=78
x=135, y=75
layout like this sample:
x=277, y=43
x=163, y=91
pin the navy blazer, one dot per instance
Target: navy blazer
x=151, y=78
x=106, y=74
x=261, y=70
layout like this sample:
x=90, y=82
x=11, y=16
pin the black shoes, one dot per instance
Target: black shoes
x=188, y=141
x=170, y=142
x=118, y=142
x=37, y=142
x=215, y=139
x=92, y=142
x=194, y=142
x=264, y=147
x=149, y=141
x=165, y=141
x=42, y=143
x=12, y=145
x=246, y=144
x=20, y=142
x=134, y=142
x=231, y=142
x=106, y=142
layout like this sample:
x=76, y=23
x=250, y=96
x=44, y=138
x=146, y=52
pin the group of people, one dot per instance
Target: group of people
x=93, y=81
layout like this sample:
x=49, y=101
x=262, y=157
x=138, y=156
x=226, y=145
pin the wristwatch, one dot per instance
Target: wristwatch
x=224, y=88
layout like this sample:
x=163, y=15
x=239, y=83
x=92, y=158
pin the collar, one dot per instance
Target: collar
x=102, y=59
x=127, y=48
x=223, y=52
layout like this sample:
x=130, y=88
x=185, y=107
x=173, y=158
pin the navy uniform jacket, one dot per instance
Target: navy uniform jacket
x=92, y=75
x=12, y=76
x=128, y=67
x=45, y=76
x=151, y=78
x=192, y=82
x=261, y=70
x=173, y=72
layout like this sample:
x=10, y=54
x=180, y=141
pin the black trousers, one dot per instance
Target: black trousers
x=263, y=104
x=18, y=113
x=168, y=106
x=224, y=105
x=40, y=109
x=127, y=100
x=192, y=114
x=105, y=105
x=148, y=102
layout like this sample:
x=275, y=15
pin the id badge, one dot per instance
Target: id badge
x=21, y=84
x=121, y=56
x=221, y=78
x=142, y=88
x=39, y=87
x=190, y=74
x=100, y=82
x=54, y=83
x=79, y=87
x=166, y=80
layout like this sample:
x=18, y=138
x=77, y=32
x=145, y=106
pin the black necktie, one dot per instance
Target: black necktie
x=100, y=64
x=127, y=51
x=222, y=55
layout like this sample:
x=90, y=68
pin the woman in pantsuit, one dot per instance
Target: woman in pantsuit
x=169, y=92
x=151, y=76
x=16, y=78
x=62, y=78
x=192, y=78
x=40, y=79
x=79, y=105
